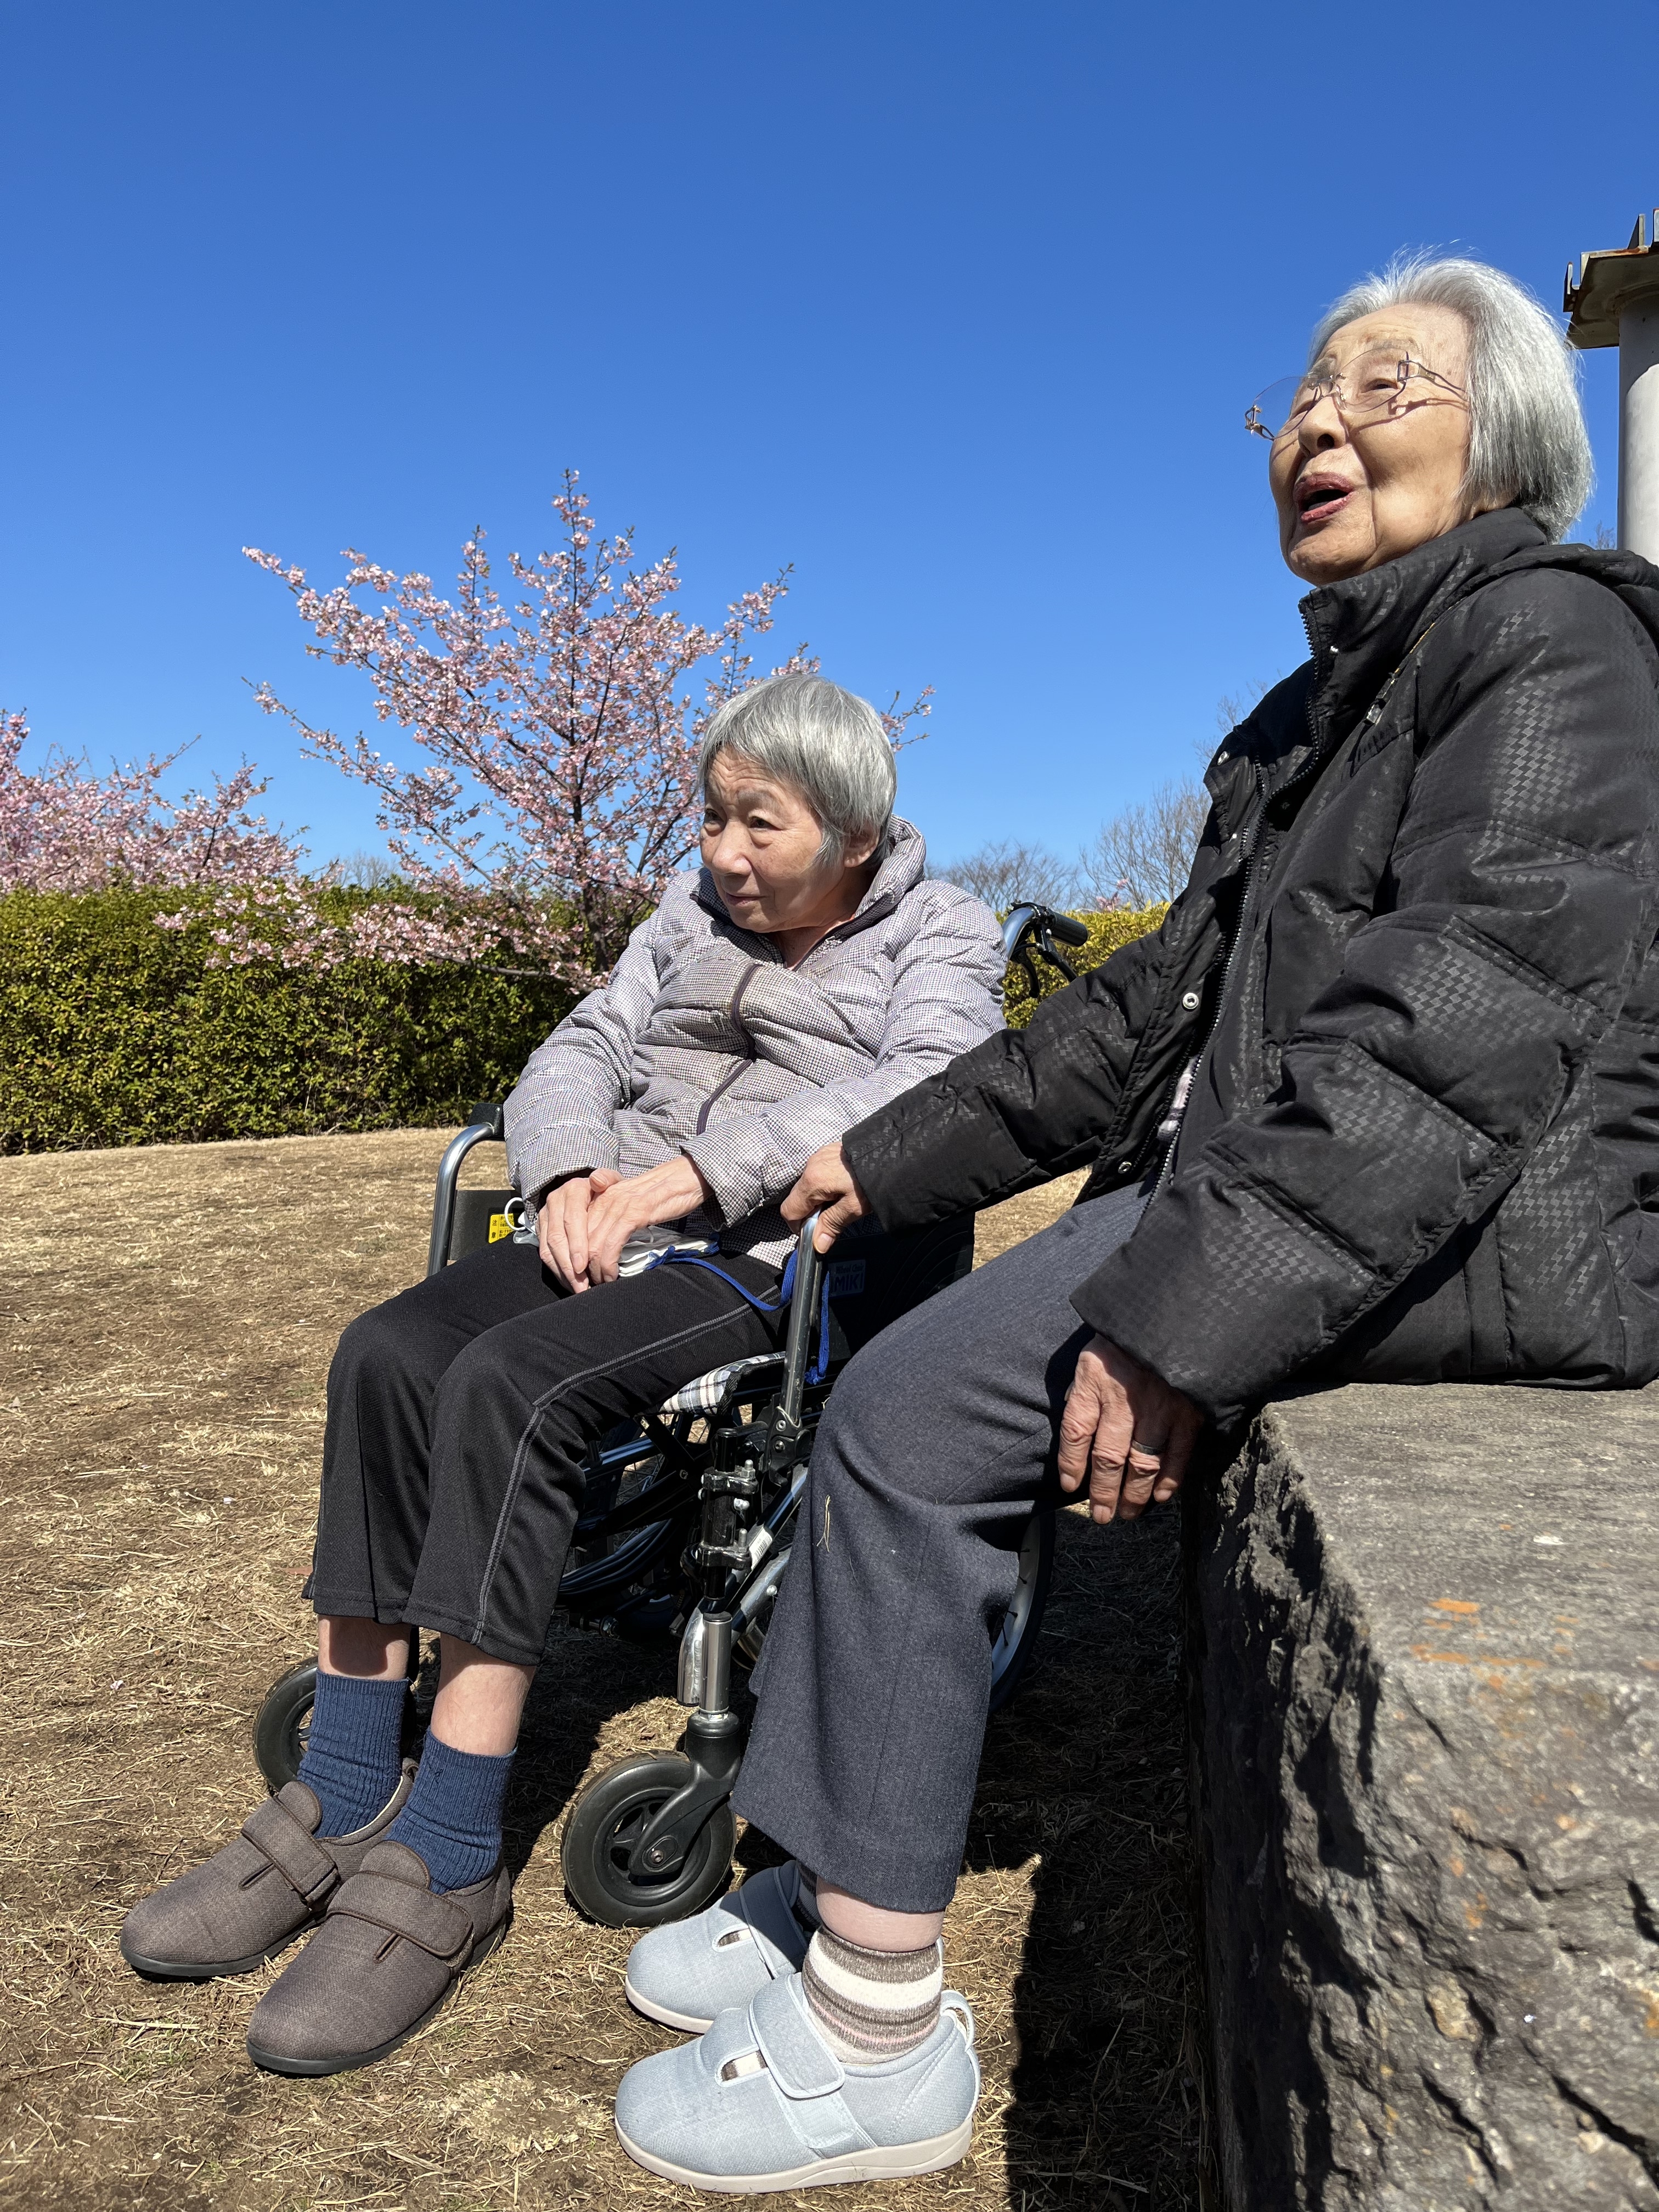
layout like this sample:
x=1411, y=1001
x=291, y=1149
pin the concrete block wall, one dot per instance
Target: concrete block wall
x=1425, y=1628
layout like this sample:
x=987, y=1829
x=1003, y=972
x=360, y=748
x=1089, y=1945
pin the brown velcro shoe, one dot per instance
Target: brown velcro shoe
x=388, y=1952
x=256, y=1894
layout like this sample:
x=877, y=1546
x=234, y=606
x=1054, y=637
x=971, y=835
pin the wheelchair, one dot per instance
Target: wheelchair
x=687, y=1521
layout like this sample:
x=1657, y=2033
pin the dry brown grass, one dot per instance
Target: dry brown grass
x=169, y=1316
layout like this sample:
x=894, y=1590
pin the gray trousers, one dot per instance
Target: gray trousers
x=938, y=1440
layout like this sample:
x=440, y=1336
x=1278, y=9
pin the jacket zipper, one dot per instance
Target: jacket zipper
x=733, y=1007
x=1252, y=840
x=1372, y=715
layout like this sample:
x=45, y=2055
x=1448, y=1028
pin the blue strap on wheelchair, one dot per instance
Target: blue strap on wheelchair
x=820, y=1366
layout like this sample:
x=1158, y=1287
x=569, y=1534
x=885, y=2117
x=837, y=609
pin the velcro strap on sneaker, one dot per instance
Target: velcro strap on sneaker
x=799, y=2060
x=299, y=1859
x=436, y=1923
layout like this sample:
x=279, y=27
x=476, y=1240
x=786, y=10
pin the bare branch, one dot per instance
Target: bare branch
x=1143, y=856
x=1008, y=875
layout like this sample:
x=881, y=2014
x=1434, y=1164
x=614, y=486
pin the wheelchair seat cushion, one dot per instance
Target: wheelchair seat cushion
x=714, y=1392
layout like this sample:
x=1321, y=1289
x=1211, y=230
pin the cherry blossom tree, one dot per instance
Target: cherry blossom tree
x=64, y=828
x=556, y=789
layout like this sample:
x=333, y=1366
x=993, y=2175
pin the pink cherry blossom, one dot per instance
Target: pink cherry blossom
x=64, y=828
x=553, y=789
x=551, y=793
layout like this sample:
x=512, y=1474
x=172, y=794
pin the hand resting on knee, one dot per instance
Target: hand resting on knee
x=1126, y=1430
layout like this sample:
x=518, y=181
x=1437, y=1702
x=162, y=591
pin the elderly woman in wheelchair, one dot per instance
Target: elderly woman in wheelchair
x=807, y=973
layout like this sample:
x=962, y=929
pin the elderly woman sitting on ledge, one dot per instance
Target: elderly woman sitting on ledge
x=807, y=974
x=1378, y=1100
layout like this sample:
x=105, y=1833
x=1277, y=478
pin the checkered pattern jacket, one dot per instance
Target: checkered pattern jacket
x=1417, y=963
x=704, y=1043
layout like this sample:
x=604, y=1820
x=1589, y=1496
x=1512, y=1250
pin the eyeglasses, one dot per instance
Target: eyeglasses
x=1375, y=385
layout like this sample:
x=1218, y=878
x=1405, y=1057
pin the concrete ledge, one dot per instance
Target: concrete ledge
x=1425, y=1644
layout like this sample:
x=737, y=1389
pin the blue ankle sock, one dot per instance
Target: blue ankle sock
x=354, y=1757
x=453, y=1816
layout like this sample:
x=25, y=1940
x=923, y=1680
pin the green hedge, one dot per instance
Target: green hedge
x=1107, y=932
x=115, y=1032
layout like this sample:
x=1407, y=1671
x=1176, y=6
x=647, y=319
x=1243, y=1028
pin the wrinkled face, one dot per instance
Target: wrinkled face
x=1350, y=498
x=761, y=843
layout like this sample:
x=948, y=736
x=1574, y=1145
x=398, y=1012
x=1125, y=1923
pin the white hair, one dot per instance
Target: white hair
x=1527, y=444
x=829, y=744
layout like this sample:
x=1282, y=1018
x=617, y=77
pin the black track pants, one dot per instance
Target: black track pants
x=937, y=1440
x=458, y=1416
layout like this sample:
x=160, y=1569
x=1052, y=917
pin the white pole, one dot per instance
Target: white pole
x=1638, y=427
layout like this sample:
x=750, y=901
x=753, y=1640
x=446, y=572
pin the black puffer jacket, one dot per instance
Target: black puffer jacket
x=1423, y=1141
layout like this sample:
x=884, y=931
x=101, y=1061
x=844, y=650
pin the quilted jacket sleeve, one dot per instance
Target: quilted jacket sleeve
x=559, y=1114
x=1025, y=1105
x=947, y=994
x=1523, y=893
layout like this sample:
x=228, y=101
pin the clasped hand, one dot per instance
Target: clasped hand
x=585, y=1221
x=1125, y=1431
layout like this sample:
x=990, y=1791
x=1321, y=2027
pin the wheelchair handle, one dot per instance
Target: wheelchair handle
x=1042, y=930
x=483, y=1126
x=803, y=1312
x=1039, y=921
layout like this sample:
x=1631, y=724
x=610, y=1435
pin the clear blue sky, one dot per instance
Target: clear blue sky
x=955, y=307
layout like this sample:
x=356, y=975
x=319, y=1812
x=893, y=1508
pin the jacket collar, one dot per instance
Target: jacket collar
x=1361, y=628
x=902, y=869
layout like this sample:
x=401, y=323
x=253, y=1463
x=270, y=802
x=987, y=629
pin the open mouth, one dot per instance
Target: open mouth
x=1319, y=497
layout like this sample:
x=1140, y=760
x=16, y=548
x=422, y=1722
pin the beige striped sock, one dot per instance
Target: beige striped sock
x=873, y=2005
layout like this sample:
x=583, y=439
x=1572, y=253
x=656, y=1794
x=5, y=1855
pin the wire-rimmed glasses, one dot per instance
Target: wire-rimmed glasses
x=1375, y=385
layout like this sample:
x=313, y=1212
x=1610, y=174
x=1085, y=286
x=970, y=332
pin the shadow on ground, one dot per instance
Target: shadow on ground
x=1085, y=1774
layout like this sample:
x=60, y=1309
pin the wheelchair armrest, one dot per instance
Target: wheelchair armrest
x=485, y=1125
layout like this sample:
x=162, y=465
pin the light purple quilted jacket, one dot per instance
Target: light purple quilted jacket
x=703, y=1041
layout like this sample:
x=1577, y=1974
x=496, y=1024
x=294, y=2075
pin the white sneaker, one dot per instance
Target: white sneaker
x=762, y=2103
x=687, y=1971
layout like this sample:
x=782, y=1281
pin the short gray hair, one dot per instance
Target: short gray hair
x=1527, y=444
x=829, y=744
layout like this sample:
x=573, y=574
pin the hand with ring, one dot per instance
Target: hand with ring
x=1126, y=1430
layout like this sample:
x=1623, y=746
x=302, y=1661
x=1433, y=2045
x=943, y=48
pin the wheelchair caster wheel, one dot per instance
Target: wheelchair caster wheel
x=283, y=1724
x=604, y=1824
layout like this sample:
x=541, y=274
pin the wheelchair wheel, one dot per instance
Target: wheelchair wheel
x=1015, y=1643
x=284, y=1722
x=605, y=1822
x=1015, y=1640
